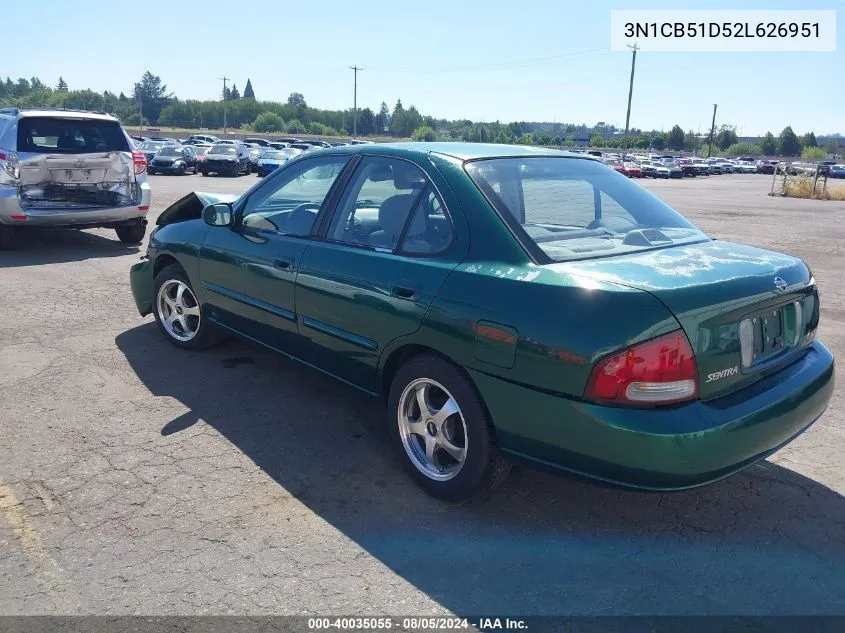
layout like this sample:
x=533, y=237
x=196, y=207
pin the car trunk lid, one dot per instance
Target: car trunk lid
x=729, y=299
x=77, y=181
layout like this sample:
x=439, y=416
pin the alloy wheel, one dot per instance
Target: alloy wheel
x=178, y=310
x=432, y=429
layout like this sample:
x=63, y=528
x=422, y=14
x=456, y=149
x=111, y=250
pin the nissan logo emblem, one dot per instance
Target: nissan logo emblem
x=780, y=284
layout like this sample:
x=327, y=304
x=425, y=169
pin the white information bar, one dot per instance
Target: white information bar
x=723, y=31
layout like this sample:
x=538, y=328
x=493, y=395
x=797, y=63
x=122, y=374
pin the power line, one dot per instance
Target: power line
x=521, y=63
x=355, y=103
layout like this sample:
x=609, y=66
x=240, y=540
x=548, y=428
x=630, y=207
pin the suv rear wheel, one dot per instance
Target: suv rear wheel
x=7, y=237
x=131, y=232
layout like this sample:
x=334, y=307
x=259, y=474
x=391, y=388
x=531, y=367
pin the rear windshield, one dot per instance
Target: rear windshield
x=223, y=149
x=170, y=151
x=572, y=208
x=70, y=136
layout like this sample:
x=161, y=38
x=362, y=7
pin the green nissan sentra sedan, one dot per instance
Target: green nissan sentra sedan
x=506, y=303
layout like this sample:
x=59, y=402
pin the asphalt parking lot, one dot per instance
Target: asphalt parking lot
x=138, y=478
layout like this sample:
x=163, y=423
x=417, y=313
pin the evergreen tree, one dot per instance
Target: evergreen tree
x=61, y=86
x=234, y=94
x=248, y=93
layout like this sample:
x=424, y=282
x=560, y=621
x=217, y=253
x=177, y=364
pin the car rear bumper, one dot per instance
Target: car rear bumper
x=220, y=167
x=167, y=169
x=141, y=282
x=12, y=213
x=661, y=449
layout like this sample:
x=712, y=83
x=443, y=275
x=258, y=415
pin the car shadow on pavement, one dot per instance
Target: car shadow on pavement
x=56, y=246
x=766, y=541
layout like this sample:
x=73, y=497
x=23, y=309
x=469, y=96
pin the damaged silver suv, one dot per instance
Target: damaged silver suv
x=70, y=168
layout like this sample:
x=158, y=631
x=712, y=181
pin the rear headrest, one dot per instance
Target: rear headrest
x=393, y=212
x=66, y=142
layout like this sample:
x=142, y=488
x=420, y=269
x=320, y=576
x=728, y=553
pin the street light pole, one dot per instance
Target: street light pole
x=224, y=79
x=355, y=102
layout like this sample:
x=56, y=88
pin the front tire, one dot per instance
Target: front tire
x=177, y=311
x=442, y=431
x=131, y=232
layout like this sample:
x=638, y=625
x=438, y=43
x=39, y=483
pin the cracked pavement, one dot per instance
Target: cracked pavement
x=137, y=478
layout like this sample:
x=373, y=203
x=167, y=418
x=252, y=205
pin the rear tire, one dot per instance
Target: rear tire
x=7, y=237
x=204, y=172
x=132, y=232
x=466, y=432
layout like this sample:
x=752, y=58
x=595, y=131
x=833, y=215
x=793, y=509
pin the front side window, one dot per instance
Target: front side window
x=289, y=204
x=385, y=194
x=572, y=208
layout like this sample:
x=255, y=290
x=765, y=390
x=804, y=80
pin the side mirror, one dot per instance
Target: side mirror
x=219, y=214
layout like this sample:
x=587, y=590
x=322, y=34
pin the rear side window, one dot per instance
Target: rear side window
x=70, y=136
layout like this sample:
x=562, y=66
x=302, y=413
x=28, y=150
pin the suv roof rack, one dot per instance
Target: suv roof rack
x=15, y=111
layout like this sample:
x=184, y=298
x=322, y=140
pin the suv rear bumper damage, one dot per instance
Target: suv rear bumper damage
x=63, y=213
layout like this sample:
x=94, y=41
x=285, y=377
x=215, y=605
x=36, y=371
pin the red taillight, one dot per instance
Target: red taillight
x=140, y=161
x=659, y=371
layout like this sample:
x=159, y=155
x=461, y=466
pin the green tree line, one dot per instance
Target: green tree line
x=151, y=103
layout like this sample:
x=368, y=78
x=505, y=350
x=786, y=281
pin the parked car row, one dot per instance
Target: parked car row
x=669, y=166
x=207, y=155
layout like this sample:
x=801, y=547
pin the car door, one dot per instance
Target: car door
x=190, y=157
x=248, y=270
x=385, y=251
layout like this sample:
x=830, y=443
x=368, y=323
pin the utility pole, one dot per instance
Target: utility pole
x=712, y=130
x=355, y=103
x=140, y=112
x=634, y=48
x=224, y=80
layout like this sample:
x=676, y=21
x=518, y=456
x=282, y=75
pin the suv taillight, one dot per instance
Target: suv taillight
x=140, y=161
x=9, y=163
x=659, y=371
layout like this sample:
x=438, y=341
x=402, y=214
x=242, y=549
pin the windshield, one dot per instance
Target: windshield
x=572, y=208
x=155, y=146
x=224, y=149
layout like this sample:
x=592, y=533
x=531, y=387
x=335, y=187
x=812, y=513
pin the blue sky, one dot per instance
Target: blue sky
x=537, y=60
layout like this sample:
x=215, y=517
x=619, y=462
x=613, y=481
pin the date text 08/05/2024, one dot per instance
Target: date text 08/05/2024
x=416, y=623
